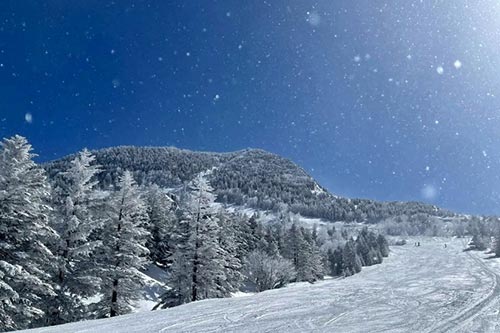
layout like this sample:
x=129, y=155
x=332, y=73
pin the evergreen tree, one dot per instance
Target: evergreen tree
x=363, y=249
x=123, y=252
x=205, y=264
x=312, y=263
x=375, y=249
x=75, y=221
x=256, y=237
x=160, y=209
x=229, y=254
x=25, y=259
x=293, y=242
x=496, y=243
x=335, y=260
x=180, y=278
x=350, y=259
x=302, y=251
x=383, y=245
x=272, y=247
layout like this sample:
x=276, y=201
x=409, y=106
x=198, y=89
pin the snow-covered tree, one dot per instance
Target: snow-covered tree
x=160, y=209
x=25, y=259
x=75, y=220
x=335, y=261
x=123, y=252
x=302, y=250
x=363, y=249
x=267, y=272
x=383, y=245
x=205, y=261
x=350, y=259
x=180, y=273
x=315, y=269
x=203, y=247
x=495, y=243
x=229, y=251
x=477, y=243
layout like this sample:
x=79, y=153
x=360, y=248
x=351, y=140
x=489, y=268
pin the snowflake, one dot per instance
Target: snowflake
x=28, y=117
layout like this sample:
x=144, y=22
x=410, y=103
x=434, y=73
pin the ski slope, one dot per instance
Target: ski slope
x=417, y=289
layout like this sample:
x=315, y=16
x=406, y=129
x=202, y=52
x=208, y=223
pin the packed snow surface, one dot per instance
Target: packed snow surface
x=417, y=289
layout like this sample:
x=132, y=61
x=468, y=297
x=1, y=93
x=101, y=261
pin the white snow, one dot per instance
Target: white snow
x=417, y=289
x=153, y=288
x=429, y=192
x=317, y=189
x=313, y=18
x=28, y=117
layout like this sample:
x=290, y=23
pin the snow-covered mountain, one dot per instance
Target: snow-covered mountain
x=251, y=177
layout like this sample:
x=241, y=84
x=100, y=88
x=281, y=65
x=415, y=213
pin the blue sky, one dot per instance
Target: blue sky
x=390, y=101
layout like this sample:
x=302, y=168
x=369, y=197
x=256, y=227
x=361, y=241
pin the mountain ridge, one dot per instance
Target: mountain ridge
x=251, y=176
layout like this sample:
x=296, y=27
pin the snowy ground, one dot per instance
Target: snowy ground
x=417, y=289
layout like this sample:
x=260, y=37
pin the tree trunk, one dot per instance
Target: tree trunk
x=114, y=298
x=194, y=289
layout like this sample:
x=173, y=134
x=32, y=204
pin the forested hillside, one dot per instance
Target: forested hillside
x=251, y=177
x=73, y=247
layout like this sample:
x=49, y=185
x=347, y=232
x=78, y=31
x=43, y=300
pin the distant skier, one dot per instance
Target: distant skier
x=445, y=245
x=418, y=243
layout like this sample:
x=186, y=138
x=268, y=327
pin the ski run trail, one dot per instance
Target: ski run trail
x=417, y=289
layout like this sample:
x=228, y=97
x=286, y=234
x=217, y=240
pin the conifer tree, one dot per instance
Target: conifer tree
x=160, y=209
x=25, y=260
x=74, y=220
x=350, y=259
x=205, y=261
x=180, y=278
x=383, y=245
x=335, y=260
x=123, y=251
x=229, y=254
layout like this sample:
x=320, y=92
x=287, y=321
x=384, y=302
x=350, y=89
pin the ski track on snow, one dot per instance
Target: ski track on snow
x=469, y=314
x=417, y=289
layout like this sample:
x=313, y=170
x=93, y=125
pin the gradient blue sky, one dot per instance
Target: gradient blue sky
x=387, y=100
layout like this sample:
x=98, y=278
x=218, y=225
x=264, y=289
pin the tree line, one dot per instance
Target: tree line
x=72, y=250
x=250, y=177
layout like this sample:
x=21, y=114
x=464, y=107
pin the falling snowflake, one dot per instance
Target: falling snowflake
x=457, y=64
x=28, y=117
x=440, y=70
x=313, y=18
x=357, y=58
x=429, y=192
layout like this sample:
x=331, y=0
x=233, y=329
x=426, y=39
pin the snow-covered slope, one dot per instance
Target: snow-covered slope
x=249, y=177
x=418, y=289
